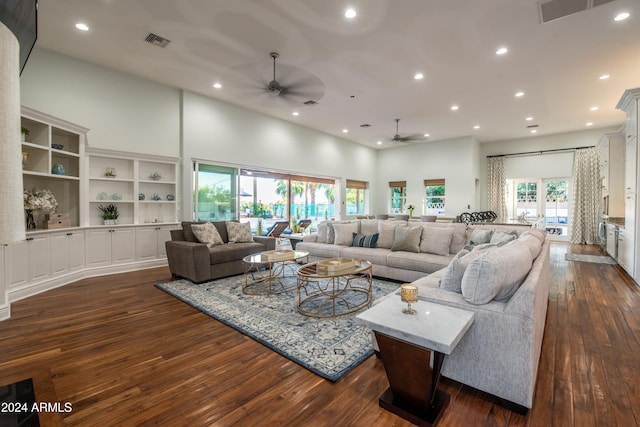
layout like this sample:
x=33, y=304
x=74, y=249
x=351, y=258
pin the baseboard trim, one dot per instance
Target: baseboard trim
x=31, y=289
x=5, y=311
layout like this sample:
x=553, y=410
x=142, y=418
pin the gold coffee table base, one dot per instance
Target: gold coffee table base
x=265, y=277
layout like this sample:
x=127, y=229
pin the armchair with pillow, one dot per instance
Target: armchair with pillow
x=206, y=251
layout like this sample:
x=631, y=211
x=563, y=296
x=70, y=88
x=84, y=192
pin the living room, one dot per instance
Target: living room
x=127, y=113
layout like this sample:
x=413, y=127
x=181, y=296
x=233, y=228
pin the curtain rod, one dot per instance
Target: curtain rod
x=557, y=150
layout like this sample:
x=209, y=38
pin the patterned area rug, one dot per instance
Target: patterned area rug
x=590, y=258
x=327, y=347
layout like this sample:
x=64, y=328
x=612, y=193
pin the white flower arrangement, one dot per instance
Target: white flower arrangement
x=43, y=200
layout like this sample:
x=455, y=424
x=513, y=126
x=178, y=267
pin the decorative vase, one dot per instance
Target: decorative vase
x=411, y=214
x=58, y=169
x=30, y=220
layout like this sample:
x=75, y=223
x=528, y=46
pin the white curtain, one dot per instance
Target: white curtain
x=586, y=196
x=497, y=187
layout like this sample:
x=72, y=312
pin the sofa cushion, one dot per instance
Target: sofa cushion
x=502, y=237
x=377, y=256
x=537, y=233
x=496, y=274
x=344, y=233
x=436, y=240
x=365, y=241
x=386, y=233
x=452, y=275
x=480, y=236
x=239, y=232
x=230, y=252
x=533, y=244
x=323, y=250
x=425, y=263
x=188, y=234
x=407, y=239
x=322, y=232
x=206, y=233
x=368, y=226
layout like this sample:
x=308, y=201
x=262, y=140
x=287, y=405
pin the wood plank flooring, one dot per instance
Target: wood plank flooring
x=125, y=353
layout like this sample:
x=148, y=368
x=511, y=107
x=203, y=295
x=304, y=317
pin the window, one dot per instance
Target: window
x=214, y=192
x=355, y=197
x=398, y=196
x=434, y=196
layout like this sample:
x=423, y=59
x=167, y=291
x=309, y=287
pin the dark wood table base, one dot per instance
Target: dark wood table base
x=424, y=419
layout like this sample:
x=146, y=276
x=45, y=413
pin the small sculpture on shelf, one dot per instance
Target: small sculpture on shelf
x=117, y=196
x=58, y=169
x=110, y=172
x=170, y=197
x=156, y=197
x=155, y=176
x=141, y=196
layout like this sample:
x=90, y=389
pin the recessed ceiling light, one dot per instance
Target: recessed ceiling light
x=604, y=76
x=621, y=16
x=418, y=76
x=345, y=130
x=379, y=142
x=594, y=108
x=502, y=51
x=529, y=118
x=81, y=26
x=350, y=13
x=426, y=135
x=295, y=113
x=217, y=85
x=519, y=94
x=249, y=173
x=534, y=130
x=589, y=124
x=454, y=108
x=476, y=127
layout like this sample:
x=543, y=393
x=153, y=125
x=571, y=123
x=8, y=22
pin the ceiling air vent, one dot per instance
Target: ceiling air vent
x=551, y=10
x=532, y=126
x=365, y=125
x=156, y=40
x=310, y=102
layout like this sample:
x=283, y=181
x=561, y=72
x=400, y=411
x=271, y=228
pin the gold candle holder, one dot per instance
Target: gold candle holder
x=409, y=294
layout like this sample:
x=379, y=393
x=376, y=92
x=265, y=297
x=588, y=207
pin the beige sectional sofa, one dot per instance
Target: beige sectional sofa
x=501, y=351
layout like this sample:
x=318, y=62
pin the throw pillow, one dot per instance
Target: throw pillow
x=496, y=274
x=344, y=233
x=207, y=233
x=501, y=237
x=239, y=232
x=386, y=231
x=480, y=236
x=188, y=233
x=452, y=278
x=365, y=241
x=532, y=243
x=436, y=240
x=407, y=239
x=368, y=226
x=538, y=233
x=322, y=232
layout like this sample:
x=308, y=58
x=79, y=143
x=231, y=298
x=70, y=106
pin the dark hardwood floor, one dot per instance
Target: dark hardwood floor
x=125, y=353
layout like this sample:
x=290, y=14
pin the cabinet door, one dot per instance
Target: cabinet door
x=630, y=211
x=98, y=244
x=164, y=234
x=39, y=258
x=146, y=243
x=17, y=264
x=76, y=250
x=630, y=165
x=123, y=246
x=611, y=241
x=59, y=254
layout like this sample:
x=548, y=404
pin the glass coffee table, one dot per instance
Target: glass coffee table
x=334, y=287
x=266, y=273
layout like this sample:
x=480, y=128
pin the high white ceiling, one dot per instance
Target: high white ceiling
x=361, y=70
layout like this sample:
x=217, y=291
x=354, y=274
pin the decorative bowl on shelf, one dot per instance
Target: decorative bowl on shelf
x=57, y=146
x=155, y=176
x=58, y=169
x=116, y=196
x=156, y=196
x=103, y=196
x=170, y=197
x=141, y=196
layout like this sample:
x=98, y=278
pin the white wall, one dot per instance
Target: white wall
x=221, y=132
x=551, y=165
x=123, y=112
x=455, y=160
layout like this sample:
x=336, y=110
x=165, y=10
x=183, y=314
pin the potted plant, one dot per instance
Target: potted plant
x=109, y=214
x=24, y=132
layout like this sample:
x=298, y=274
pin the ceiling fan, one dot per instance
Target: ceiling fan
x=299, y=86
x=398, y=138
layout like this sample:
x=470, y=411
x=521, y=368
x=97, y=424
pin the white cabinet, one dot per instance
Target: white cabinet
x=28, y=261
x=51, y=159
x=626, y=252
x=107, y=246
x=67, y=252
x=150, y=241
x=612, y=241
x=144, y=188
x=630, y=163
x=612, y=156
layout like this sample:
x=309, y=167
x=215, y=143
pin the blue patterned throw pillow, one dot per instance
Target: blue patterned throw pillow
x=363, y=241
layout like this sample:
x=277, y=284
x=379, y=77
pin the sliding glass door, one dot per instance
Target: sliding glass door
x=214, y=192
